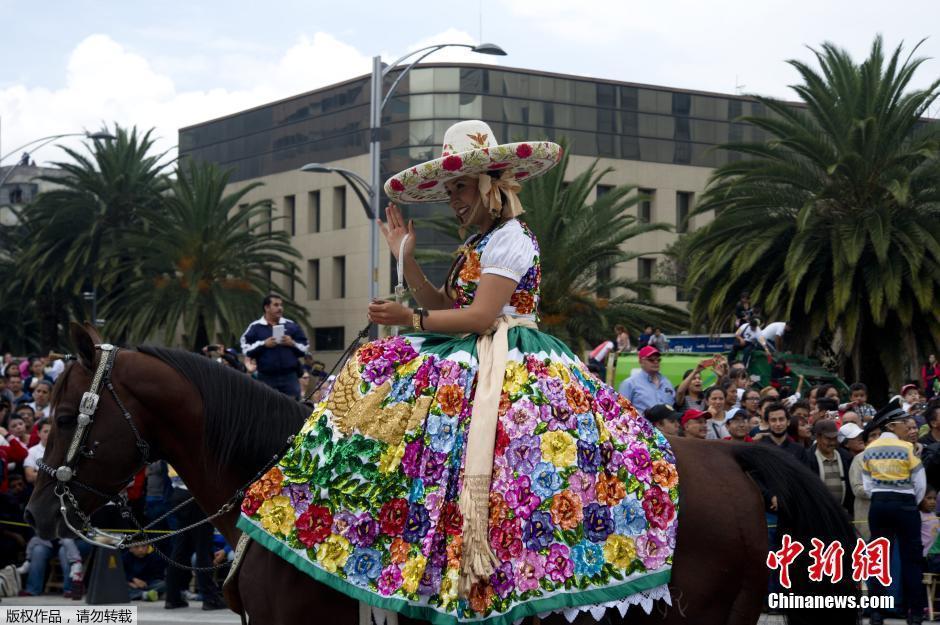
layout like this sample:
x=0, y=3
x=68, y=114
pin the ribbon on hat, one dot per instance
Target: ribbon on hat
x=490, y=188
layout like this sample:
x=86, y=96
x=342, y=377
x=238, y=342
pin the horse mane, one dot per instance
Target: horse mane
x=246, y=422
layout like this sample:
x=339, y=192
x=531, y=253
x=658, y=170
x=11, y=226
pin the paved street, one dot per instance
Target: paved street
x=154, y=614
x=151, y=613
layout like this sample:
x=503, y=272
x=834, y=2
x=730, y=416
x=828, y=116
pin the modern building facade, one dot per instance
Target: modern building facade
x=657, y=138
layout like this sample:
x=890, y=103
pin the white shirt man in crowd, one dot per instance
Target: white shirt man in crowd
x=36, y=452
x=42, y=395
x=646, y=386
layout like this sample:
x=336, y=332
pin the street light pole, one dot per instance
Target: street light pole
x=43, y=141
x=377, y=103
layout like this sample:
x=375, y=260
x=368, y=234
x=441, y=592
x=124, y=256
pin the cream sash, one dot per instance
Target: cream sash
x=478, y=560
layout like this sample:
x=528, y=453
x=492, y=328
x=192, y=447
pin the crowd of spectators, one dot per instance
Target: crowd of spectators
x=25, y=421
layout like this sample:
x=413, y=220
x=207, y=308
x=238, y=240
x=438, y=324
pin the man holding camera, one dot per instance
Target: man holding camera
x=276, y=344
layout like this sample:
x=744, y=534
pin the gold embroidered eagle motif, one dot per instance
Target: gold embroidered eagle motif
x=478, y=139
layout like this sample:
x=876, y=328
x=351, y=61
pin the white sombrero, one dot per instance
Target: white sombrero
x=469, y=148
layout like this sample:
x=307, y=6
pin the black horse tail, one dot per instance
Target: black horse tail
x=806, y=510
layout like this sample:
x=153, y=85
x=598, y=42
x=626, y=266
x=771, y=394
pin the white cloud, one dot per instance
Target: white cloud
x=106, y=82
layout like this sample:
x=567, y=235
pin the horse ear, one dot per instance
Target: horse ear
x=84, y=344
x=93, y=333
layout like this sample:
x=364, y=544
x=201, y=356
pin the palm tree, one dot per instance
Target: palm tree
x=832, y=223
x=581, y=242
x=100, y=197
x=203, y=264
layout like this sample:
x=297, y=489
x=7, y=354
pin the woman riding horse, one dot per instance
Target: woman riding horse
x=483, y=474
x=473, y=468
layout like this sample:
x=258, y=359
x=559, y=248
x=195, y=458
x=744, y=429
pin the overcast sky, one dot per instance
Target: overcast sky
x=68, y=66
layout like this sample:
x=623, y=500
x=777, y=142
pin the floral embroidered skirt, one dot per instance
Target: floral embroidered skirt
x=583, y=501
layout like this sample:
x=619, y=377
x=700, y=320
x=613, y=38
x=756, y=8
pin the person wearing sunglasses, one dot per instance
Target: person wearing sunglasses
x=646, y=386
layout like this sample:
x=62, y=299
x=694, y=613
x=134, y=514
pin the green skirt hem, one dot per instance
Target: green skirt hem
x=526, y=340
x=401, y=606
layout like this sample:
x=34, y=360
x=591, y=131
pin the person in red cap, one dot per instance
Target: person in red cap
x=693, y=423
x=646, y=386
x=910, y=396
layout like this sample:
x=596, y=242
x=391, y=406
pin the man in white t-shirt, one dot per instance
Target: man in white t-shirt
x=772, y=334
x=36, y=452
x=42, y=395
x=746, y=338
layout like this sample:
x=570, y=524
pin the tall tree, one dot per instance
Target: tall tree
x=582, y=243
x=832, y=222
x=203, y=264
x=113, y=189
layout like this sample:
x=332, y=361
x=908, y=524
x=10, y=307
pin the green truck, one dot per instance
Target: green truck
x=785, y=370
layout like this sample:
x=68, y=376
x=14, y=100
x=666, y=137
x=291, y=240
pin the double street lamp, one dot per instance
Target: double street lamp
x=88, y=296
x=43, y=141
x=370, y=193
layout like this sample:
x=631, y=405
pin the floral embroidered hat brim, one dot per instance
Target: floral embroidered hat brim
x=469, y=148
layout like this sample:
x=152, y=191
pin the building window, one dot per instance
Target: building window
x=267, y=221
x=313, y=211
x=329, y=339
x=313, y=279
x=604, y=189
x=290, y=222
x=683, y=207
x=647, y=268
x=339, y=277
x=645, y=205
x=339, y=207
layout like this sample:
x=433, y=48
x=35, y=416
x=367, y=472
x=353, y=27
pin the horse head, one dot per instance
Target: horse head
x=107, y=450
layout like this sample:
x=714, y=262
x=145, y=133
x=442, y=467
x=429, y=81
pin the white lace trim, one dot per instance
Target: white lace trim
x=643, y=599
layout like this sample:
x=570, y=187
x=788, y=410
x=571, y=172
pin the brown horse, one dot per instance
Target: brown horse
x=218, y=428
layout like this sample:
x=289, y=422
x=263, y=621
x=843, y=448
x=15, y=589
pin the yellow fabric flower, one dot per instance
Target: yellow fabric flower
x=411, y=368
x=516, y=376
x=391, y=457
x=619, y=551
x=559, y=448
x=558, y=370
x=603, y=432
x=412, y=572
x=333, y=552
x=312, y=420
x=449, y=586
x=277, y=515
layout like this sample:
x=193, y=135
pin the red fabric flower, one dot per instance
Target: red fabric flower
x=393, y=516
x=452, y=163
x=502, y=439
x=524, y=150
x=521, y=174
x=396, y=185
x=451, y=519
x=499, y=165
x=428, y=185
x=250, y=505
x=314, y=525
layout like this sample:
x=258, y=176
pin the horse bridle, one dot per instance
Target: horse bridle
x=66, y=474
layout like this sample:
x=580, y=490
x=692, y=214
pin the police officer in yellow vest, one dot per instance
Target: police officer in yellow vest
x=894, y=477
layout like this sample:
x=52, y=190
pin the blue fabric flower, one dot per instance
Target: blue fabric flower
x=443, y=432
x=363, y=566
x=629, y=517
x=545, y=480
x=587, y=428
x=418, y=523
x=589, y=457
x=417, y=491
x=538, y=532
x=402, y=390
x=597, y=522
x=588, y=558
